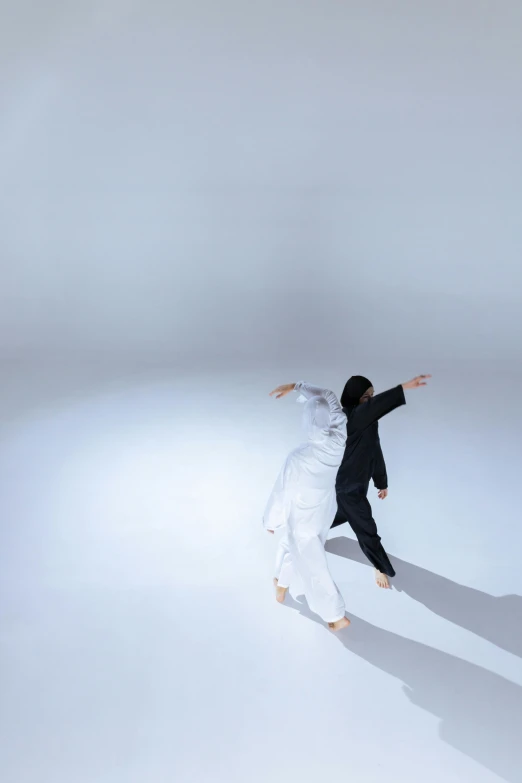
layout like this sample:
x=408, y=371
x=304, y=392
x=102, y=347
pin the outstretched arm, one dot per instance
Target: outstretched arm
x=307, y=390
x=385, y=402
x=376, y=407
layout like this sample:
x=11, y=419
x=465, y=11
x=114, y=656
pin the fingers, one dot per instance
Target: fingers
x=419, y=380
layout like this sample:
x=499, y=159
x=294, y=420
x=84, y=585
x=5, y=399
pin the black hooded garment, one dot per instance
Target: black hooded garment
x=363, y=461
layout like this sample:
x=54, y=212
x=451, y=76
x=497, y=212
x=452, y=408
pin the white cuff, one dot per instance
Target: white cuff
x=297, y=388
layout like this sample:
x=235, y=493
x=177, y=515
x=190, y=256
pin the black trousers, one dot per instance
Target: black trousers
x=354, y=507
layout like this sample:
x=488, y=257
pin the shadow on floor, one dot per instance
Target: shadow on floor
x=479, y=711
x=498, y=620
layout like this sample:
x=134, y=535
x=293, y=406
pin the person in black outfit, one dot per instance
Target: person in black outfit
x=363, y=461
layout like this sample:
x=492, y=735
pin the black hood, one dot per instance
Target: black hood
x=354, y=390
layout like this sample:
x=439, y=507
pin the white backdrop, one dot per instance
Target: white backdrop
x=198, y=201
x=185, y=179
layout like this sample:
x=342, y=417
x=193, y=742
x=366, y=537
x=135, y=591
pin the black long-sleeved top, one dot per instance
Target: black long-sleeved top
x=363, y=459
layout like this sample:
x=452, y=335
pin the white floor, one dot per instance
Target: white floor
x=140, y=641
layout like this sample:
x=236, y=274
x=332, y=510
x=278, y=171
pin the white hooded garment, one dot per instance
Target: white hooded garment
x=303, y=501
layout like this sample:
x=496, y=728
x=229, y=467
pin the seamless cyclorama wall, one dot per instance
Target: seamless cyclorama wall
x=237, y=184
x=201, y=199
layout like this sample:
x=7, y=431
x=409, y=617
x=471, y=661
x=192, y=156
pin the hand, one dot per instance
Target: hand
x=420, y=380
x=383, y=493
x=270, y=531
x=282, y=391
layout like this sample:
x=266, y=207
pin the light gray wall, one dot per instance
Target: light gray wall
x=189, y=179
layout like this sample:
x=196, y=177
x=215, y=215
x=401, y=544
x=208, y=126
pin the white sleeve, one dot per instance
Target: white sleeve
x=306, y=390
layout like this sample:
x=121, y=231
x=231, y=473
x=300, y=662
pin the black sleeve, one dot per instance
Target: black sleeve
x=380, y=478
x=377, y=407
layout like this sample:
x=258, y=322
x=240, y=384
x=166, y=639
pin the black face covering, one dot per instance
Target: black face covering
x=354, y=390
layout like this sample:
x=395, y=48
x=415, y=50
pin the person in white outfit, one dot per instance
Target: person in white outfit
x=303, y=501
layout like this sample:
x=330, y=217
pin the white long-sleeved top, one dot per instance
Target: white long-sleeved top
x=309, y=472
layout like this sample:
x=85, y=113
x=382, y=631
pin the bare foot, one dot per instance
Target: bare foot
x=382, y=580
x=339, y=625
x=280, y=592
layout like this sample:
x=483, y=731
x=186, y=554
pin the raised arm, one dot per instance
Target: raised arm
x=376, y=407
x=307, y=390
x=385, y=402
